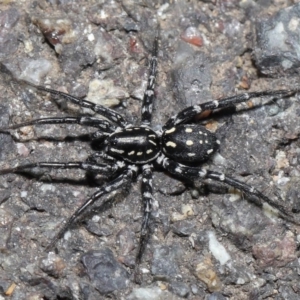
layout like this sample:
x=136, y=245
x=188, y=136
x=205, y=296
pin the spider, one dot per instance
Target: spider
x=130, y=150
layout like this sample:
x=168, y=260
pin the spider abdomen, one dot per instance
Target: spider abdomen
x=189, y=143
x=137, y=145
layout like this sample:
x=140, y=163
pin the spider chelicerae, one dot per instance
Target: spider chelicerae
x=130, y=150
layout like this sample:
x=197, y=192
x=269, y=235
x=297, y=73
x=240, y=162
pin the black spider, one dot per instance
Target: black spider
x=129, y=150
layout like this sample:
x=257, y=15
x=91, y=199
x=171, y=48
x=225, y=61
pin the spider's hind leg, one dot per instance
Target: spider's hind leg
x=147, y=209
x=87, y=166
x=253, y=194
x=121, y=181
x=103, y=125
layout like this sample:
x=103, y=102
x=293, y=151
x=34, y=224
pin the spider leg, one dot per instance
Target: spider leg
x=121, y=181
x=87, y=166
x=102, y=155
x=148, y=203
x=191, y=111
x=99, y=109
x=98, y=136
x=192, y=174
x=84, y=121
x=149, y=93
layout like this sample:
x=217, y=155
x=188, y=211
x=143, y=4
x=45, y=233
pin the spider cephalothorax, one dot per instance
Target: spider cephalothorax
x=137, y=145
x=129, y=150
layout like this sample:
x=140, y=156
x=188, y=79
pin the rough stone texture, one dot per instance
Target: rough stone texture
x=206, y=51
x=277, y=48
x=104, y=271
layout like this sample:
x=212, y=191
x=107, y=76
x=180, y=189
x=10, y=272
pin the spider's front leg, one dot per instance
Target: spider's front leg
x=192, y=174
x=147, y=105
x=190, y=112
x=99, y=109
x=105, y=127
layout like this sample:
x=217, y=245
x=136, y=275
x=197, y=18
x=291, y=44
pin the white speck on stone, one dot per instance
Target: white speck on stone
x=28, y=46
x=96, y=219
x=76, y=193
x=281, y=179
x=270, y=211
x=235, y=196
x=34, y=70
x=218, y=159
x=240, y=281
x=277, y=37
x=176, y=216
x=153, y=293
x=187, y=209
x=105, y=92
x=67, y=235
x=145, y=271
x=91, y=37
x=281, y=160
x=22, y=150
x=24, y=194
x=286, y=64
x=293, y=24
x=217, y=249
x=47, y=187
x=162, y=9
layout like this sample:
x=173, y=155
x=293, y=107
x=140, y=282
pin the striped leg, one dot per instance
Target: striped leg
x=121, y=181
x=84, y=121
x=99, y=109
x=149, y=93
x=191, y=111
x=192, y=174
x=87, y=166
x=102, y=155
x=145, y=231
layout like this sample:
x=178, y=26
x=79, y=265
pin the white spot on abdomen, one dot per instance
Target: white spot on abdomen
x=171, y=144
x=191, y=154
x=170, y=130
